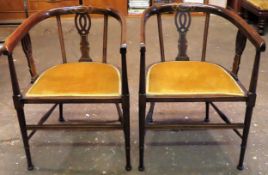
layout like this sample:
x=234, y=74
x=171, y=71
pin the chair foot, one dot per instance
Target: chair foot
x=206, y=120
x=150, y=120
x=141, y=168
x=128, y=168
x=30, y=167
x=240, y=167
x=61, y=120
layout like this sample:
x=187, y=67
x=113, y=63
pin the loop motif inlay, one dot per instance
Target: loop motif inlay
x=182, y=22
x=83, y=25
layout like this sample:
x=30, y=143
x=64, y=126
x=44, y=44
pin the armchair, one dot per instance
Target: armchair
x=183, y=80
x=71, y=82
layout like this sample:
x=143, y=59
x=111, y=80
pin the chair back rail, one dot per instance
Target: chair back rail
x=61, y=39
x=205, y=37
x=161, y=41
x=105, y=39
x=205, y=34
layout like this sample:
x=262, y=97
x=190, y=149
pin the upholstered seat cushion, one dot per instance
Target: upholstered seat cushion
x=77, y=79
x=261, y=4
x=190, y=78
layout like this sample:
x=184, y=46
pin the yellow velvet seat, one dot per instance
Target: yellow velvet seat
x=190, y=78
x=261, y=4
x=77, y=79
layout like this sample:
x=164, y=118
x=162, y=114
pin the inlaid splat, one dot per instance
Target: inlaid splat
x=183, y=22
x=83, y=24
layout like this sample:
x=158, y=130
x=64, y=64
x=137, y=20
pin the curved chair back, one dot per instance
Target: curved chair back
x=82, y=22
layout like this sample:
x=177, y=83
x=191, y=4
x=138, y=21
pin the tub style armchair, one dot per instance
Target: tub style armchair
x=183, y=80
x=85, y=81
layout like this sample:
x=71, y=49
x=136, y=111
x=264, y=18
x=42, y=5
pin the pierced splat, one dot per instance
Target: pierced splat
x=83, y=24
x=241, y=41
x=183, y=22
x=27, y=49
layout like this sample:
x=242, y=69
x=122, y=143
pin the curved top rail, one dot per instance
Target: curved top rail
x=36, y=18
x=231, y=16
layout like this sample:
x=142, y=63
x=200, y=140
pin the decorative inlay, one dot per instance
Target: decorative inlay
x=183, y=22
x=83, y=24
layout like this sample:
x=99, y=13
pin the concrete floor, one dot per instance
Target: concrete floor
x=185, y=152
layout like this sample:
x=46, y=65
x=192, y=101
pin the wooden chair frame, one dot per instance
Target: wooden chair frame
x=19, y=98
x=244, y=32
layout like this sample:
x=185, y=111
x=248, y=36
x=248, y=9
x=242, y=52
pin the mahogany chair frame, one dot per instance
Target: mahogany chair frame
x=19, y=98
x=245, y=32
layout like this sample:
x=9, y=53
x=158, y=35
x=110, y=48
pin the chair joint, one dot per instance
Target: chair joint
x=251, y=99
x=125, y=98
x=142, y=96
x=123, y=49
x=123, y=46
x=142, y=48
x=17, y=100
